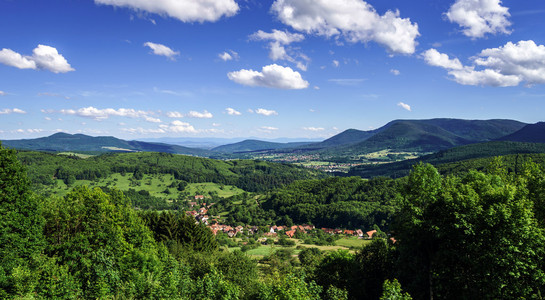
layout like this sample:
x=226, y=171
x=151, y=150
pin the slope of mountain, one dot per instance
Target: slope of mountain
x=80, y=142
x=531, y=133
x=347, y=137
x=453, y=155
x=255, y=145
x=431, y=135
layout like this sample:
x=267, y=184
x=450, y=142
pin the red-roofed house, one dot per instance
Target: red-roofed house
x=370, y=233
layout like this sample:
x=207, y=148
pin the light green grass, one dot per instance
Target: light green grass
x=352, y=242
x=155, y=184
x=205, y=188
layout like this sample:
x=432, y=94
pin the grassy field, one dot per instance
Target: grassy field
x=155, y=184
x=352, y=242
x=343, y=243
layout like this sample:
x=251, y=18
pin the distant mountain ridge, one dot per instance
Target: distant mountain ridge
x=531, y=133
x=255, y=145
x=429, y=135
x=80, y=142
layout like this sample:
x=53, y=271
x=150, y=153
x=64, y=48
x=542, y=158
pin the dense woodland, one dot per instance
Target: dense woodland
x=465, y=235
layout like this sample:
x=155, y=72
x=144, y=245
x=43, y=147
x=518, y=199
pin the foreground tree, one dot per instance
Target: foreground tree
x=470, y=237
x=21, y=225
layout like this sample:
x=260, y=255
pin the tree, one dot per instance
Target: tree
x=476, y=237
x=21, y=223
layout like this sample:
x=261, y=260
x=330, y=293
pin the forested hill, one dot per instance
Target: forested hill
x=429, y=135
x=255, y=145
x=59, y=142
x=532, y=133
x=460, y=156
x=249, y=175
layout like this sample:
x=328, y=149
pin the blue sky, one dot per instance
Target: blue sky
x=284, y=68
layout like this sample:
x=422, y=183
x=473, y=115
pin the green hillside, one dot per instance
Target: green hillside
x=454, y=155
x=249, y=175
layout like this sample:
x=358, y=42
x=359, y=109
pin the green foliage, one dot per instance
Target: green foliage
x=288, y=287
x=392, y=291
x=21, y=226
x=249, y=175
x=337, y=202
x=470, y=237
x=179, y=231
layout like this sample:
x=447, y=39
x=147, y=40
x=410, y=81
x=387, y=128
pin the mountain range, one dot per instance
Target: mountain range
x=421, y=136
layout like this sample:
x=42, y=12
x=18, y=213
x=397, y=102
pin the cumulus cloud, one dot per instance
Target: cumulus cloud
x=354, y=20
x=228, y=55
x=479, y=17
x=102, y=114
x=183, y=10
x=279, y=40
x=2, y=93
x=266, y=112
x=404, y=106
x=315, y=129
x=335, y=63
x=437, y=59
x=162, y=50
x=508, y=65
x=395, y=72
x=178, y=127
x=43, y=58
x=200, y=115
x=271, y=76
x=7, y=111
x=232, y=111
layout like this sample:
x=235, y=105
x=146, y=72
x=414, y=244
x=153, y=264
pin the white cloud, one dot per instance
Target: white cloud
x=183, y=10
x=282, y=37
x=179, y=127
x=268, y=128
x=228, y=55
x=335, y=63
x=162, y=50
x=315, y=129
x=279, y=40
x=404, y=106
x=7, y=111
x=271, y=76
x=232, y=111
x=508, y=65
x=355, y=20
x=225, y=56
x=2, y=93
x=141, y=130
x=174, y=114
x=479, y=17
x=266, y=112
x=436, y=59
x=395, y=72
x=204, y=115
x=102, y=114
x=347, y=81
x=43, y=58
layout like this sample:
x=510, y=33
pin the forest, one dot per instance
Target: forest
x=475, y=232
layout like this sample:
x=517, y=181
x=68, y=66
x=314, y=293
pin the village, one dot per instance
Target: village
x=200, y=211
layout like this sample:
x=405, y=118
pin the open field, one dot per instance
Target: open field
x=156, y=185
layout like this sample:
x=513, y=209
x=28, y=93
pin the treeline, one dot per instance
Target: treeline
x=249, y=175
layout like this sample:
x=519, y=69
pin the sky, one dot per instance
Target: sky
x=138, y=69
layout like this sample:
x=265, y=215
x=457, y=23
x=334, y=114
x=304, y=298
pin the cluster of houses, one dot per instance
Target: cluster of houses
x=200, y=214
